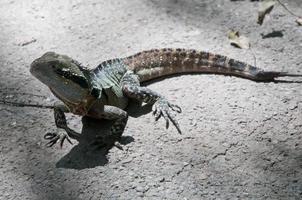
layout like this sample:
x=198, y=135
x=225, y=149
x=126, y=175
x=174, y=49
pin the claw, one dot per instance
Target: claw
x=50, y=144
x=174, y=121
x=118, y=145
x=166, y=117
x=162, y=108
x=154, y=108
x=68, y=139
x=53, y=140
x=157, y=114
x=63, y=138
x=49, y=135
x=62, y=142
x=55, y=137
x=175, y=108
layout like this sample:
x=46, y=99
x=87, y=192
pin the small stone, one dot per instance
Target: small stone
x=194, y=122
x=203, y=176
x=293, y=106
x=161, y=179
x=139, y=189
x=27, y=42
x=127, y=160
x=212, y=192
x=9, y=96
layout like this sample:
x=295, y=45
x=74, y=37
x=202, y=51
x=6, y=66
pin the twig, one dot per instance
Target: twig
x=23, y=93
x=289, y=11
x=26, y=104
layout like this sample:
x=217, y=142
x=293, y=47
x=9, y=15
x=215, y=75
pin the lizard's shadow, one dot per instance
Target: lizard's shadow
x=84, y=155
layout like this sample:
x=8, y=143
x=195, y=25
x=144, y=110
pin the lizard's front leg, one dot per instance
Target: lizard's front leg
x=120, y=118
x=61, y=123
x=161, y=106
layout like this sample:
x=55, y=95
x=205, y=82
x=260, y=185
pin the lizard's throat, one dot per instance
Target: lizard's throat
x=80, y=107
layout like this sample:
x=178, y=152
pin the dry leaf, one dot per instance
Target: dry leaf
x=265, y=8
x=238, y=40
x=299, y=21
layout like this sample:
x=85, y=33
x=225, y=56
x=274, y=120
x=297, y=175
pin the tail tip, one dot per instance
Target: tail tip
x=272, y=75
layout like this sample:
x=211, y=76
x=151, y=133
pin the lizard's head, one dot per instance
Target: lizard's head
x=63, y=75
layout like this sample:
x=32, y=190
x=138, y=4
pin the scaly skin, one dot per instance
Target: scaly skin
x=104, y=91
x=152, y=64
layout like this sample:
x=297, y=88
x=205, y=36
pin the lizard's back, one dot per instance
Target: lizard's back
x=107, y=76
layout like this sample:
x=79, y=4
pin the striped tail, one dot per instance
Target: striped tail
x=156, y=63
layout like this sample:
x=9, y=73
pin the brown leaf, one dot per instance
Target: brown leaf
x=299, y=21
x=238, y=40
x=265, y=7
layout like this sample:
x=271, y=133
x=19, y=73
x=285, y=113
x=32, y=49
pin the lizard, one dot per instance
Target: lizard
x=104, y=92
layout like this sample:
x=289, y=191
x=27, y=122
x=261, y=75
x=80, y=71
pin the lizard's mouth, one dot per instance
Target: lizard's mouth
x=63, y=97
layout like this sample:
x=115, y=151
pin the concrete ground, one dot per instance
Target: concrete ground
x=242, y=140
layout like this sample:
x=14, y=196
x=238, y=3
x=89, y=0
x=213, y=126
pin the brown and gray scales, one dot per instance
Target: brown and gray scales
x=162, y=62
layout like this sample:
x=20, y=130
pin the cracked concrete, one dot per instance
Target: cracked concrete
x=242, y=140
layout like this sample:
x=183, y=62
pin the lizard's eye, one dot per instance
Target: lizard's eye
x=64, y=73
x=80, y=80
x=53, y=66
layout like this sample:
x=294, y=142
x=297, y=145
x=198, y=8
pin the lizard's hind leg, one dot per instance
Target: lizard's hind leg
x=120, y=118
x=161, y=106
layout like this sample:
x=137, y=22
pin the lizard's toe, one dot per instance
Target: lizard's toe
x=54, y=137
x=174, y=121
x=166, y=117
x=63, y=138
x=175, y=107
x=157, y=114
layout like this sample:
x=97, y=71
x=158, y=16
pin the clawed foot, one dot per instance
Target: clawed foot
x=162, y=108
x=55, y=137
x=101, y=142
